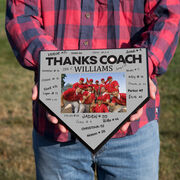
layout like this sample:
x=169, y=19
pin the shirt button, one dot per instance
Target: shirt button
x=87, y=15
x=86, y=43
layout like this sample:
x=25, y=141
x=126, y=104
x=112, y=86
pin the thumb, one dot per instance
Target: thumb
x=153, y=89
x=34, y=92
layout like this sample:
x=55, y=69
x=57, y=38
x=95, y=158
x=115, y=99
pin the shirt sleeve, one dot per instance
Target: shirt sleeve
x=67, y=93
x=105, y=108
x=160, y=37
x=123, y=98
x=113, y=100
x=75, y=85
x=24, y=28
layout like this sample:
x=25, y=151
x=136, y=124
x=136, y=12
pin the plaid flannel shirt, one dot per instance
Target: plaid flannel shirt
x=34, y=25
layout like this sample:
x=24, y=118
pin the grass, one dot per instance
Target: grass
x=16, y=155
x=169, y=121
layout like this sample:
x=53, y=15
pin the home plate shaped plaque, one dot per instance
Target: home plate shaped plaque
x=93, y=92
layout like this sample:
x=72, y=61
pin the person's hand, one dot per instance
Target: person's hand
x=51, y=118
x=139, y=113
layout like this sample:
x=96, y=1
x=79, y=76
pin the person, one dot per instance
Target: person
x=99, y=107
x=96, y=88
x=89, y=81
x=71, y=97
x=118, y=101
x=81, y=80
x=133, y=152
x=102, y=84
x=110, y=84
x=87, y=99
x=105, y=95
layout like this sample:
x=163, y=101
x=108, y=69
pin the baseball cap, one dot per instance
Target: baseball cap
x=81, y=79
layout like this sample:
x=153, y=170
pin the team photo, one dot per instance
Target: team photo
x=93, y=93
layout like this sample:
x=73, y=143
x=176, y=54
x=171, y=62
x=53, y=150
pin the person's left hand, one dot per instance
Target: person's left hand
x=139, y=113
x=50, y=117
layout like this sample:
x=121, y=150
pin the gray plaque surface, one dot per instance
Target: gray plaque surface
x=60, y=70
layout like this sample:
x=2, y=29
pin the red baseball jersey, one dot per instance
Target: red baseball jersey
x=100, y=109
x=105, y=96
x=112, y=85
x=75, y=85
x=90, y=99
x=71, y=95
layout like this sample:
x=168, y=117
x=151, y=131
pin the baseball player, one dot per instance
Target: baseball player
x=81, y=82
x=118, y=101
x=99, y=107
x=105, y=95
x=110, y=84
x=87, y=98
x=70, y=99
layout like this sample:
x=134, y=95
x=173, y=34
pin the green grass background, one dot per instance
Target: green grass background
x=16, y=155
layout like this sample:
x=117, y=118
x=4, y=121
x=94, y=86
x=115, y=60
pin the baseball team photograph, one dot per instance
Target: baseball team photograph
x=93, y=93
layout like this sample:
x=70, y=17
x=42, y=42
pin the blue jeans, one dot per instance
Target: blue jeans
x=134, y=157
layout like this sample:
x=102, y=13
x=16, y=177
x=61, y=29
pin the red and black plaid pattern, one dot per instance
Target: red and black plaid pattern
x=34, y=25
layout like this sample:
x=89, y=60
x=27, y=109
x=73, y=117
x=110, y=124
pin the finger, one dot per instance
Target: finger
x=62, y=128
x=51, y=118
x=132, y=118
x=152, y=88
x=34, y=92
x=54, y=120
x=125, y=126
x=137, y=115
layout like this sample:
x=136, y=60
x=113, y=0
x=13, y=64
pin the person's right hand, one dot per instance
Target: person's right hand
x=138, y=114
x=50, y=118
